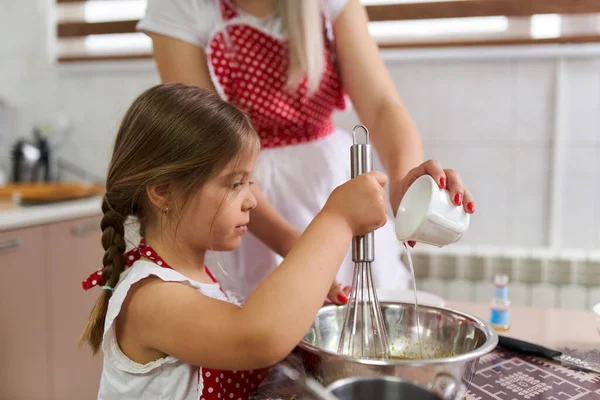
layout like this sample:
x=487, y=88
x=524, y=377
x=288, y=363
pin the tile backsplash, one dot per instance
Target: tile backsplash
x=494, y=120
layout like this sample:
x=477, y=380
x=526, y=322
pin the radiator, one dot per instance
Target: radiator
x=539, y=277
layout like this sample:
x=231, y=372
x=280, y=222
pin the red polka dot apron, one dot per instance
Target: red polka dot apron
x=249, y=68
x=216, y=384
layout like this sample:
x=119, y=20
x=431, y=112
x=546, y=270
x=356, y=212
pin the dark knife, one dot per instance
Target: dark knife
x=526, y=348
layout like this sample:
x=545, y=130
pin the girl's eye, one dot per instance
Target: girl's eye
x=238, y=185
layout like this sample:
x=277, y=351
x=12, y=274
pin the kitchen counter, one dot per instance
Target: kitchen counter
x=550, y=327
x=27, y=216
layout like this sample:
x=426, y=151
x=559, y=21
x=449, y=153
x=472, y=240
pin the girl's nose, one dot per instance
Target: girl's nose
x=249, y=203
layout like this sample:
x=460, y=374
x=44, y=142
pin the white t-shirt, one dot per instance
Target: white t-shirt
x=194, y=21
x=166, y=378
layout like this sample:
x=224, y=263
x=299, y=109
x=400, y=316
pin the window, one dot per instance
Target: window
x=105, y=29
x=100, y=29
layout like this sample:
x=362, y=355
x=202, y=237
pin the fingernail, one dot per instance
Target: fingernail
x=458, y=199
x=443, y=182
x=342, y=299
x=411, y=243
x=470, y=206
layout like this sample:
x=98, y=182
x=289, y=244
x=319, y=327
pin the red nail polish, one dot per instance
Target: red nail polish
x=470, y=206
x=342, y=299
x=411, y=243
x=458, y=199
x=443, y=182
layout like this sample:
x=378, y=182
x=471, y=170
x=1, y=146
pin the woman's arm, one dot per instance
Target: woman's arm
x=270, y=226
x=183, y=62
x=375, y=98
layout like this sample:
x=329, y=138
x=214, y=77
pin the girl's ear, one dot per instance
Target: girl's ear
x=160, y=196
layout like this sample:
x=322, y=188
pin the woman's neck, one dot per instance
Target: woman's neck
x=256, y=8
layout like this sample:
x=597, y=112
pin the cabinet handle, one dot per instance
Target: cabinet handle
x=83, y=228
x=10, y=245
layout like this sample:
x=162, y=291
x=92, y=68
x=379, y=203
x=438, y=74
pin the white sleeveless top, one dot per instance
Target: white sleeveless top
x=166, y=378
x=194, y=21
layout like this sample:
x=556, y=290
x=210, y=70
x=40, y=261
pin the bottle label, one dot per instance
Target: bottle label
x=502, y=292
x=500, y=317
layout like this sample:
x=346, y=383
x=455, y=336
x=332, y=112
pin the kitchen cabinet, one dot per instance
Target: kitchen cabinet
x=44, y=311
x=24, y=359
x=74, y=251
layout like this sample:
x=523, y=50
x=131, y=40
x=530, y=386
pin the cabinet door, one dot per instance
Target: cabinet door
x=75, y=251
x=24, y=335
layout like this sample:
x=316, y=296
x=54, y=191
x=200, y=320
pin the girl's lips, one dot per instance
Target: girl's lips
x=242, y=228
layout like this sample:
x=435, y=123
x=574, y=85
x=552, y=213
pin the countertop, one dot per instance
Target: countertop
x=28, y=216
x=550, y=327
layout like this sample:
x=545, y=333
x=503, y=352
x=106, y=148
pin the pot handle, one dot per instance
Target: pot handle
x=447, y=387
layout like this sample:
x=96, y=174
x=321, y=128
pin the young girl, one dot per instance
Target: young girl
x=182, y=164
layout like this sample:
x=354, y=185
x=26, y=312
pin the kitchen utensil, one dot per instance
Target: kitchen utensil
x=427, y=215
x=444, y=386
x=526, y=348
x=364, y=333
x=31, y=159
x=453, y=342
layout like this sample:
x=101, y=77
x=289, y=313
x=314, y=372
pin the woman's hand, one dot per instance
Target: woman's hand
x=338, y=294
x=445, y=178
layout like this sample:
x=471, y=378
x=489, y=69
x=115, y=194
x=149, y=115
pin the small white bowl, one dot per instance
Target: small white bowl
x=427, y=215
x=408, y=296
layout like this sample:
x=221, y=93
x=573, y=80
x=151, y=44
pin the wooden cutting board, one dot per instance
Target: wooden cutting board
x=48, y=192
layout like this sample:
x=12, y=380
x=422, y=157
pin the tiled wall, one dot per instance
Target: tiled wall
x=492, y=119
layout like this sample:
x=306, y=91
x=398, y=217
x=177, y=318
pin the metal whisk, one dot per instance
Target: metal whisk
x=364, y=334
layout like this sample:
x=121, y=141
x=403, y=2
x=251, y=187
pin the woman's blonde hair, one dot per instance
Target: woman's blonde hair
x=303, y=23
x=172, y=133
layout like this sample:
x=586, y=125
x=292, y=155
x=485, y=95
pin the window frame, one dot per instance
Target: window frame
x=446, y=9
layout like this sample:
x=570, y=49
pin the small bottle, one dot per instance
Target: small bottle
x=500, y=307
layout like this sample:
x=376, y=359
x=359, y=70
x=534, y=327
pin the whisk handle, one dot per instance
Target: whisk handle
x=363, y=248
x=361, y=161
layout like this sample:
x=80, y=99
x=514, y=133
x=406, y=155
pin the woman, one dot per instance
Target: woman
x=279, y=62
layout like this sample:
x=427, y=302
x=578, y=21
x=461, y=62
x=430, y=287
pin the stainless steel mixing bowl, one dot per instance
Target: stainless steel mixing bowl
x=452, y=341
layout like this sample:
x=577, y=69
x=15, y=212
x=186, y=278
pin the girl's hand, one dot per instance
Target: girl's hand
x=360, y=203
x=445, y=178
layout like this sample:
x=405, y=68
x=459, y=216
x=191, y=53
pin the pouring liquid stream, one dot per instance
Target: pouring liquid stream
x=414, y=283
